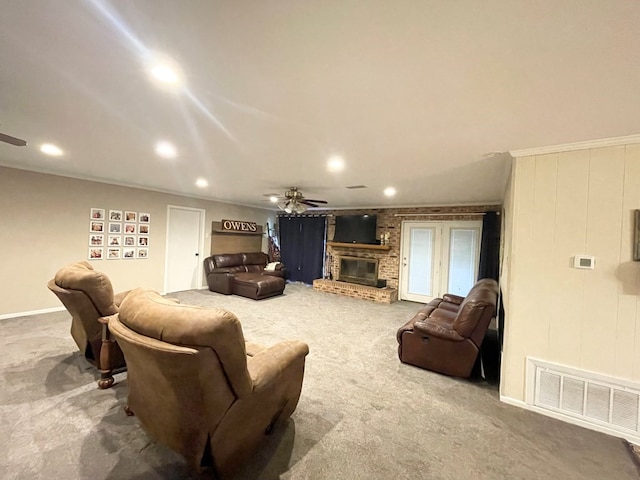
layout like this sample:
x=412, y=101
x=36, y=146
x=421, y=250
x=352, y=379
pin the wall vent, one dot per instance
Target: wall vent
x=609, y=403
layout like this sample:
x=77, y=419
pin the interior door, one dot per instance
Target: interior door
x=185, y=238
x=438, y=258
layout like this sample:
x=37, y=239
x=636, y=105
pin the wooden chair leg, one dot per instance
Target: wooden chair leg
x=106, y=352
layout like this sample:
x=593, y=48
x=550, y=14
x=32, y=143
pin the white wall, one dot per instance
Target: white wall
x=559, y=205
x=44, y=224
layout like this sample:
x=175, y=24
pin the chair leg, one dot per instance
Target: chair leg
x=106, y=373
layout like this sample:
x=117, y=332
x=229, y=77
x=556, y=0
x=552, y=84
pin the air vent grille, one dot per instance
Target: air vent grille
x=355, y=187
x=592, y=398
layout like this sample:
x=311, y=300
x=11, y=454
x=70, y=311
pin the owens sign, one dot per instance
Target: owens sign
x=238, y=226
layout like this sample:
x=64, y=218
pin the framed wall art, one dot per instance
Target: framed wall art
x=96, y=227
x=113, y=253
x=115, y=215
x=95, y=253
x=143, y=253
x=128, y=253
x=97, y=213
x=96, y=240
x=130, y=216
x=144, y=218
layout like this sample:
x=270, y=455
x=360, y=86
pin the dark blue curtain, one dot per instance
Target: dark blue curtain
x=490, y=351
x=302, y=242
x=490, y=247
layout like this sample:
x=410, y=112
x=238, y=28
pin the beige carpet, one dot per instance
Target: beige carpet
x=362, y=414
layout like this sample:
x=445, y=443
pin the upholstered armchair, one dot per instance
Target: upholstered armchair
x=195, y=384
x=446, y=334
x=88, y=296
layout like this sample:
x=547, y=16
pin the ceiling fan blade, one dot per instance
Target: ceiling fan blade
x=314, y=201
x=308, y=202
x=18, y=142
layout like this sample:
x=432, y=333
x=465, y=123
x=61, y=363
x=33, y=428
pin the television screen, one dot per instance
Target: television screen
x=356, y=229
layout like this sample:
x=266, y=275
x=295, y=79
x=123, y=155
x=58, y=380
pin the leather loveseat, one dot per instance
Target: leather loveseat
x=244, y=274
x=446, y=334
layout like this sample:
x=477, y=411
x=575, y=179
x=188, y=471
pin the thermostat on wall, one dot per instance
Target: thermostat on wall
x=584, y=261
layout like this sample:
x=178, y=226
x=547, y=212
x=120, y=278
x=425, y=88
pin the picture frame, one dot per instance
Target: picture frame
x=143, y=241
x=143, y=253
x=130, y=216
x=128, y=253
x=129, y=228
x=95, y=254
x=129, y=241
x=113, y=253
x=96, y=240
x=144, y=217
x=97, y=214
x=115, y=228
x=143, y=229
x=96, y=227
x=636, y=235
x=114, y=241
x=115, y=215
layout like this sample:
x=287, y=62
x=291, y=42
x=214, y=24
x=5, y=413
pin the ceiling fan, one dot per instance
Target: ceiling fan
x=294, y=202
x=18, y=142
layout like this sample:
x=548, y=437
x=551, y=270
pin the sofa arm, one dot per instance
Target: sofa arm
x=220, y=282
x=451, y=298
x=435, y=330
x=267, y=365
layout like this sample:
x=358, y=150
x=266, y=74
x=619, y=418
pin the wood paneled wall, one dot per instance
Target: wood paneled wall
x=558, y=206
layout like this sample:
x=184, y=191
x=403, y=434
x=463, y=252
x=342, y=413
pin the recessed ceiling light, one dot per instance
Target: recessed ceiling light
x=335, y=164
x=51, y=149
x=164, y=74
x=202, y=183
x=389, y=191
x=273, y=199
x=166, y=149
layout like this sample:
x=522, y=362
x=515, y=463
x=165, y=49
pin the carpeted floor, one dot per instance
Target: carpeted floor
x=362, y=414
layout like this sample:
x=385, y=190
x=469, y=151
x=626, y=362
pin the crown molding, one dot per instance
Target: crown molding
x=568, y=147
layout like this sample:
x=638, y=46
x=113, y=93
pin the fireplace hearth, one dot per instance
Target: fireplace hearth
x=363, y=271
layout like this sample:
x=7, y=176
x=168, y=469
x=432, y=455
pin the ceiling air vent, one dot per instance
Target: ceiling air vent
x=355, y=187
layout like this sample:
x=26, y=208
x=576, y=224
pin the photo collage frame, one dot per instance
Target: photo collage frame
x=118, y=234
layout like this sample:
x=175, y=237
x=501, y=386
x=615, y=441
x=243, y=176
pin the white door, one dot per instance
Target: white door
x=185, y=237
x=438, y=258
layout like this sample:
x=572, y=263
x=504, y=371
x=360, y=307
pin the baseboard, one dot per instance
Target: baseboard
x=33, y=312
x=574, y=421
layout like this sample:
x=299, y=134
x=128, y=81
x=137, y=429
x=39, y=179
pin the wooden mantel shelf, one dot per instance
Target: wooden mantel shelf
x=359, y=245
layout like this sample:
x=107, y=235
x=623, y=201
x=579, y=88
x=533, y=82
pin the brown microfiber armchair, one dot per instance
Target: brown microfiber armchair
x=88, y=296
x=244, y=274
x=196, y=386
x=445, y=335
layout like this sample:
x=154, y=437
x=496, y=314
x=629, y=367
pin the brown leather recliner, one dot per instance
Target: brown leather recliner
x=197, y=387
x=446, y=334
x=244, y=274
x=88, y=296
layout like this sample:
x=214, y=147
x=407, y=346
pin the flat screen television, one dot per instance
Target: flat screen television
x=356, y=229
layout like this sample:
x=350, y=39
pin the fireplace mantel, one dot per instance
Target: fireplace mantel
x=359, y=245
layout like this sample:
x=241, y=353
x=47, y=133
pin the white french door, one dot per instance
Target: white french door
x=438, y=258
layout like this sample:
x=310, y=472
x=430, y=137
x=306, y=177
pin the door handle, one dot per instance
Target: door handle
x=197, y=254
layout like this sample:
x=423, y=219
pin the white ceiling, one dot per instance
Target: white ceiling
x=423, y=95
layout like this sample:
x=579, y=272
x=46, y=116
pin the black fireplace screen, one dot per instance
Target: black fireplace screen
x=363, y=271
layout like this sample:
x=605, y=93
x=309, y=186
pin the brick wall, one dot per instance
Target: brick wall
x=390, y=220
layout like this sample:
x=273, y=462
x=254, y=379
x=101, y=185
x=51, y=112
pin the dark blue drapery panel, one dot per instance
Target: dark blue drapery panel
x=490, y=247
x=302, y=247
